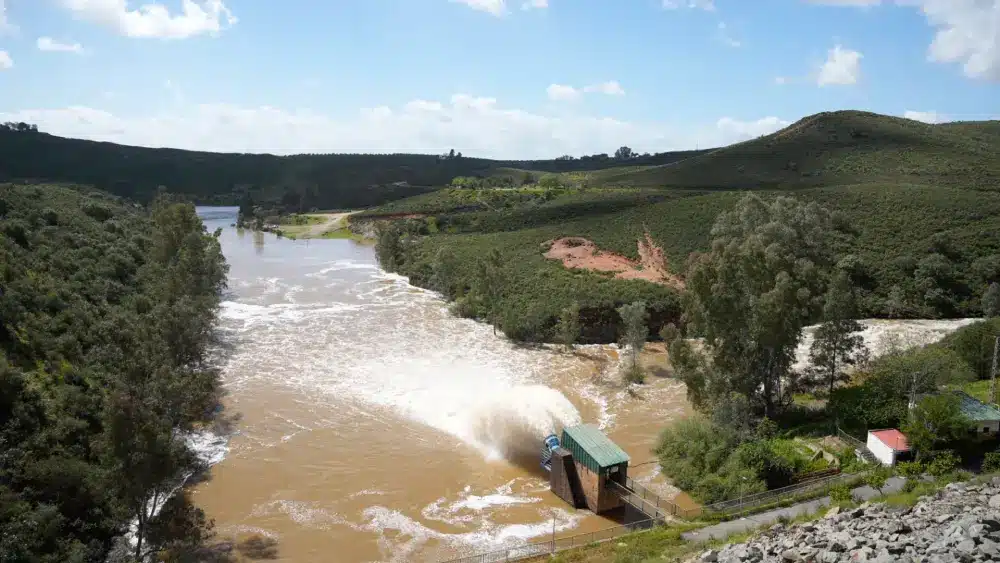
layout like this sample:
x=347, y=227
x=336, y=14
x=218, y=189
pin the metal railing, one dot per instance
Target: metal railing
x=857, y=444
x=548, y=547
x=757, y=499
x=649, y=503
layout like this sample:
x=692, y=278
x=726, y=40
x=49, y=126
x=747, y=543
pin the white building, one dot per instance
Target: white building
x=887, y=445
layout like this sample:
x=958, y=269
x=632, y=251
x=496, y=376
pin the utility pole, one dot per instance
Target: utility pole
x=993, y=371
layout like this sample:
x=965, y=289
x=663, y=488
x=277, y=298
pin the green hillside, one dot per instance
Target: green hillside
x=294, y=183
x=106, y=316
x=844, y=147
x=922, y=222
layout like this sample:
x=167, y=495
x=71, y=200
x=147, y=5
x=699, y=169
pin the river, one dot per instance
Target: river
x=377, y=427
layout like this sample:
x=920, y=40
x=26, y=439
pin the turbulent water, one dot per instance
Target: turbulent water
x=377, y=427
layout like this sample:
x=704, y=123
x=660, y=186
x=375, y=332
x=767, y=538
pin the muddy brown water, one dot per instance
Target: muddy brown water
x=377, y=427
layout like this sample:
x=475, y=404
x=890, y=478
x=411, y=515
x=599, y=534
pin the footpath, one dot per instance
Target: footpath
x=723, y=530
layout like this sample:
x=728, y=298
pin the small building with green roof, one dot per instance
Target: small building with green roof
x=984, y=417
x=597, y=460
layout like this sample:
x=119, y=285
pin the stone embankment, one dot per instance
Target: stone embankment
x=960, y=523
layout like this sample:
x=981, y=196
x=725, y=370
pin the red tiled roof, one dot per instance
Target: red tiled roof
x=892, y=438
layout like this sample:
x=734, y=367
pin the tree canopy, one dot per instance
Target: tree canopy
x=106, y=316
x=751, y=294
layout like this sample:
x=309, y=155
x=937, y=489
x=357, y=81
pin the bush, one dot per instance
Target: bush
x=910, y=469
x=877, y=477
x=909, y=485
x=991, y=462
x=943, y=463
x=841, y=494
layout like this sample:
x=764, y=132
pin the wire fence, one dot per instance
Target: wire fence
x=750, y=501
x=548, y=547
x=857, y=444
x=649, y=503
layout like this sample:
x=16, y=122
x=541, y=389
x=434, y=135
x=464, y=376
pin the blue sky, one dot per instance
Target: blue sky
x=508, y=79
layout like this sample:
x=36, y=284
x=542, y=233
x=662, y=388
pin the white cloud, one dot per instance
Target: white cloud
x=925, y=116
x=611, y=88
x=565, y=93
x=742, y=130
x=5, y=61
x=477, y=126
x=707, y=5
x=781, y=80
x=562, y=93
x=49, y=44
x=535, y=5
x=842, y=67
x=495, y=7
x=968, y=33
x=154, y=20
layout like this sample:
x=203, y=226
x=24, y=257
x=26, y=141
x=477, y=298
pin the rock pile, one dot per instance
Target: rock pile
x=960, y=523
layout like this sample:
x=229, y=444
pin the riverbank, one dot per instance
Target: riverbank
x=316, y=225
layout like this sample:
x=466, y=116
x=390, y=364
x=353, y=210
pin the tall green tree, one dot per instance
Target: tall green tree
x=896, y=303
x=934, y=422
x=633, y=336
x=752, y=293
x=389, y=246
x=836, y=343
x=568, y=326
x=991, y=301
x=443, y=271
x=489, y=285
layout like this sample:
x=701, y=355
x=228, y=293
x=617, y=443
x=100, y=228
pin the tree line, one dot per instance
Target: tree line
x=296, y=183
x=107, y=317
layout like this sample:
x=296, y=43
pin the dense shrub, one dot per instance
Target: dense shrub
x=991, y=462
x=713, y=463
x=103, y=357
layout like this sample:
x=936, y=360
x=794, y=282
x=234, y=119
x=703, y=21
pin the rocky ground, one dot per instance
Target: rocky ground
x=960, y=523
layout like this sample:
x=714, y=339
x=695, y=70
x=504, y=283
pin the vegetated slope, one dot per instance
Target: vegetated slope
x=296, y=183
x=843, y=147
x=933, y=244
x=105, y=319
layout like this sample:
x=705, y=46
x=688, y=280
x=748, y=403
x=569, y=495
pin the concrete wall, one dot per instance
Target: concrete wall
x=564, y=480
x=882, y=452
x=993, y=425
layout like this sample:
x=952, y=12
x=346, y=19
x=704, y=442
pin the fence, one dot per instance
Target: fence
x=536, y=549
x=750, y=501
x=649, y=503
x=858, y=445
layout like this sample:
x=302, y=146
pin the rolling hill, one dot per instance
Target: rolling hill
x=838, y=148
x=296, y=183
x=918, y=207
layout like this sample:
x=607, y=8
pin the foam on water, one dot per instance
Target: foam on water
x=390, y=345
x=882, y=335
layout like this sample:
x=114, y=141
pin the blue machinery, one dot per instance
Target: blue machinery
x=550, y=443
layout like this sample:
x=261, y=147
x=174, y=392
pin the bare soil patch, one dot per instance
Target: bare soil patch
x=580, y=253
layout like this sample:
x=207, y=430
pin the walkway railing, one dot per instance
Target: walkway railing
x=750, y=501
x=648, y=502
x=554, y=545
x=858, y=445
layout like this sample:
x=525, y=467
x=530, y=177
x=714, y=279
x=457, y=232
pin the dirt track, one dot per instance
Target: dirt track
x=580, y=253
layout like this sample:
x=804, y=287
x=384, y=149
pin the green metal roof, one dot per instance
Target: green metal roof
x=595, y=444
x=976, y=410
